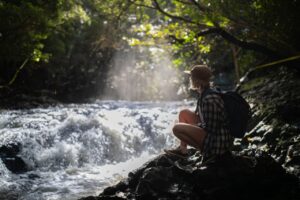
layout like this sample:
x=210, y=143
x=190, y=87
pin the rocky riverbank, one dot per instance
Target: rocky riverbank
x=264, y=164
x=229, y=177
x=275, y=126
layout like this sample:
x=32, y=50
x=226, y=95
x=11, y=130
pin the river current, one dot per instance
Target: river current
x=77, y=150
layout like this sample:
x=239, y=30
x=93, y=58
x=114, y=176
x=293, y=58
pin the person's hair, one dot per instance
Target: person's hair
x=196, y=83
x=200, y=76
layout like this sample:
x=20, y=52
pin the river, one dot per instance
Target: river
x=77, y=150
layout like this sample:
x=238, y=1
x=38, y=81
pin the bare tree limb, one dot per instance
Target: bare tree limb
x=18, y=71
x=15, y=75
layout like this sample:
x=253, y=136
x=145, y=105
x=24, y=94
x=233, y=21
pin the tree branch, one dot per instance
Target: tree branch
x=157, y=6
x=243, y=44
x=187, y=2
x=15, y=75
x=200, y=7
x=215, y=30
x=18, y=71
x=142, y=5
x=233, y=40
x=122, y=11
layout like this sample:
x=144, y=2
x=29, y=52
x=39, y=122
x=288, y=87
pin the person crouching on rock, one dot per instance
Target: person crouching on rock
x=205, y=129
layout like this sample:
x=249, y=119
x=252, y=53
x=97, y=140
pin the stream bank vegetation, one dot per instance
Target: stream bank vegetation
x=68, y=50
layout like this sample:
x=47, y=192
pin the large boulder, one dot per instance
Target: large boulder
x=275, y=126
x=227, y=177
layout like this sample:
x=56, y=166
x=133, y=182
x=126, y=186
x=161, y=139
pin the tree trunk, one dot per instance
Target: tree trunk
x=235, y=62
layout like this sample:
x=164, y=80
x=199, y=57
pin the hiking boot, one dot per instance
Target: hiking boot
x=176, y=152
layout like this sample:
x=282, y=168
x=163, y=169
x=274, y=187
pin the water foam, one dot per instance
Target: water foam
x=76, y=150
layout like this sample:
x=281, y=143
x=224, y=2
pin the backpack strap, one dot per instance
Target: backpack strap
x=207, y=92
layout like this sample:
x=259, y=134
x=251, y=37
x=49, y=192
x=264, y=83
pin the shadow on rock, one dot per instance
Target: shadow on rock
x=226, y=177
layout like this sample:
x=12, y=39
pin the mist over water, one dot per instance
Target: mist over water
x=77, y=150
x=143, y=74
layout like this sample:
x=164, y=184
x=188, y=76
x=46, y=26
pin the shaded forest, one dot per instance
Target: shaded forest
x=59, y=52
x=66, y=50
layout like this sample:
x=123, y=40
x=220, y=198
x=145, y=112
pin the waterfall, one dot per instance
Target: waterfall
x=78, y=149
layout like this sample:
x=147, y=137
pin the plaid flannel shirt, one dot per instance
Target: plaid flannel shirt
x=218, y=139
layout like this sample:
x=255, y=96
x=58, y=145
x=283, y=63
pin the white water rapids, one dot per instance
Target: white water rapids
x=77, y=150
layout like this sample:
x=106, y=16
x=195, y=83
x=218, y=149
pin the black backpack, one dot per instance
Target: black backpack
x=237, y=111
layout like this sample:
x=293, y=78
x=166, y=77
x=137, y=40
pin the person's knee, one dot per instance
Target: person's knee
x=188, y=116
x=184, y=114
x=177, y=130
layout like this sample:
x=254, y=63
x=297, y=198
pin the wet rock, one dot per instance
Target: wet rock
x=226, y=177
x=9, y=150
x=13, y=162
x=277, y=113
x=289, y=113
x=33, y=176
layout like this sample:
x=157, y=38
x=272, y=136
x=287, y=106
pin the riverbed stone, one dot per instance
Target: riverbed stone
x=11, y=159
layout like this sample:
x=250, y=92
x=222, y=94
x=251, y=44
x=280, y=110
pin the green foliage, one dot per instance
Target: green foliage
x=68, y=44
x=269, y=24
x=73, y=41
x=23, y=26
